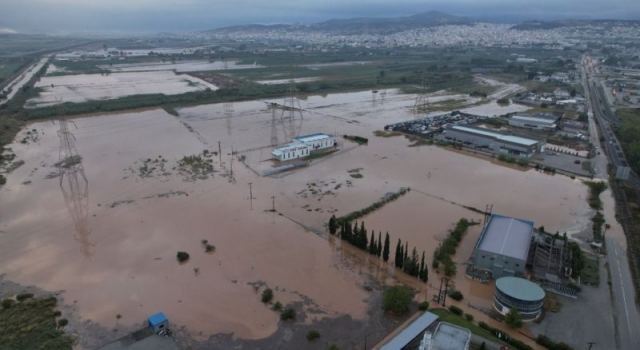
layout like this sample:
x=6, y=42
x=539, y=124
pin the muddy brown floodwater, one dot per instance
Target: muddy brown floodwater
x=106, y=231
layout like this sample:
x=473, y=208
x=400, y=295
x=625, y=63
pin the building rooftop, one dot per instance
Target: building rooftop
x=411, y=331
x=288, y=147
x=506, y=236
x=520, y=288
x=526, y=118
x=450, y=337
x=502, y=137
x=312, y=137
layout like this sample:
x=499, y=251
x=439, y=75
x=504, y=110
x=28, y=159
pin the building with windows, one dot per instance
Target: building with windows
x=303, y=146
x=492, y=141
x=520, y=294
x=503, y=248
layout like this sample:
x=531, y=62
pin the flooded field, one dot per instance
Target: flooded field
x=180, y=66
x=90, y=87
x=106, y=229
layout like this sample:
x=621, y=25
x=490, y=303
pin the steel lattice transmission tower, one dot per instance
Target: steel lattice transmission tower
x=421, y=104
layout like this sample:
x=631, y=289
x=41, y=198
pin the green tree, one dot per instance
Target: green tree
x=333, y=225
x=397, y=299
x=372, y=244
x=513, y=319
x=398, y=258
x=385, y=250
x=379, y=245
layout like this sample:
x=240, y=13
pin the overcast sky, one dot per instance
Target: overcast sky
x=60, y=16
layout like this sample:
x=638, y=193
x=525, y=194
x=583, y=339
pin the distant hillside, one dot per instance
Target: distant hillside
x=543, y=25
x=361, y=25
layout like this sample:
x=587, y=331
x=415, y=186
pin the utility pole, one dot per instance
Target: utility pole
x=220, y=152
x=273, y=203
x=251, y=194
x=590, y=345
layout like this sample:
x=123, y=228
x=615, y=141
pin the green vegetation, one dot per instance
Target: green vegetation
x=423, y=306
x=410, y=263
x=628, y=133
x=595, y=189
x=288, y=314
x=312, y=335
x=590, y=274
x=267, y=295
x=598, y=223
x=515, y=343
x=513, y=319
x=277, y=306
x=503, y=101
x=577, y=259
x=357, y=139
x=550, y=344
x=513, y=160
x=384, y=133
x=377, y=205
x=182, y=257
x=396, y=300
x=197, y=166
x=443, y=254
x=31, y=324
x=455, y=295
x=455, y=310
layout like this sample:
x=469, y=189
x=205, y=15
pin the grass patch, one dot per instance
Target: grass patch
x=384, y=133
x=31, y=324
x=590, y=273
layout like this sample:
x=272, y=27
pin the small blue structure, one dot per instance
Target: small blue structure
x=158, y=322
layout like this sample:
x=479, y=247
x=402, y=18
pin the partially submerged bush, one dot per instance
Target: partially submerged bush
x=24, y=296
x=182, y=257
x=313, y=335
x=455, y=310
x=288, y=314
x=397, y=299
x=267, y=295
x=455, y=295
x=424, y=306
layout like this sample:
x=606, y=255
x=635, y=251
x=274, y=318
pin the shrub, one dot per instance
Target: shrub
x=277, y=306
x=62, y=322
x=288, y=314
x=24, y=296
x=513, y=319
x=267, y=295
x=182, y=257
x=7, y=303
x=209, y=248
x=312, y=335
x=455, y=310
x=469, y=317
x=424, y=306
x=397, y=299
x=455, y=295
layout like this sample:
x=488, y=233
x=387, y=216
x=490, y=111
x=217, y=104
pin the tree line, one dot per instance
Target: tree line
x=357, y=236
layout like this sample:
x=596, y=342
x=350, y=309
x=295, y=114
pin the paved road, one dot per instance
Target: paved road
x=23, y=79
x=625, y=310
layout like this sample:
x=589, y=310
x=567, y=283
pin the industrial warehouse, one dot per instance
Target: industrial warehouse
x=303, y=146
x=494, y=142
x=503, y=247
x=539, y=121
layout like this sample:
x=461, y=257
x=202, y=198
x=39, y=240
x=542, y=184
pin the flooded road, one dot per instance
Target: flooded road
x=112, y=248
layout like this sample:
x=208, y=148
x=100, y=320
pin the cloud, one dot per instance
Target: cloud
x=7, y=31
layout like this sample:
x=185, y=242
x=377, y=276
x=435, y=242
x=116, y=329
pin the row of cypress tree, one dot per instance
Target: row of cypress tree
x=357, y=236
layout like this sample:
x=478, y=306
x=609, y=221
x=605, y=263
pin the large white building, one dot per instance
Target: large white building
x=303, y=146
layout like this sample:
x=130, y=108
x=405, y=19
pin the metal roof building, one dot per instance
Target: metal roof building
x=489, y=140
x=533, y=122
x=412, y=331
x=503, y=246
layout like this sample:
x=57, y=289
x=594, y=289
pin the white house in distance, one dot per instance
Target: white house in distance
x=303, y=146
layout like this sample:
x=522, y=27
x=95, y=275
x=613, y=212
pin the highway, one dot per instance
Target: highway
x=625, y=310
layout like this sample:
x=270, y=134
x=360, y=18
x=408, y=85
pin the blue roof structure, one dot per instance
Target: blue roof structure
x=157, y=319
x=411, y=331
